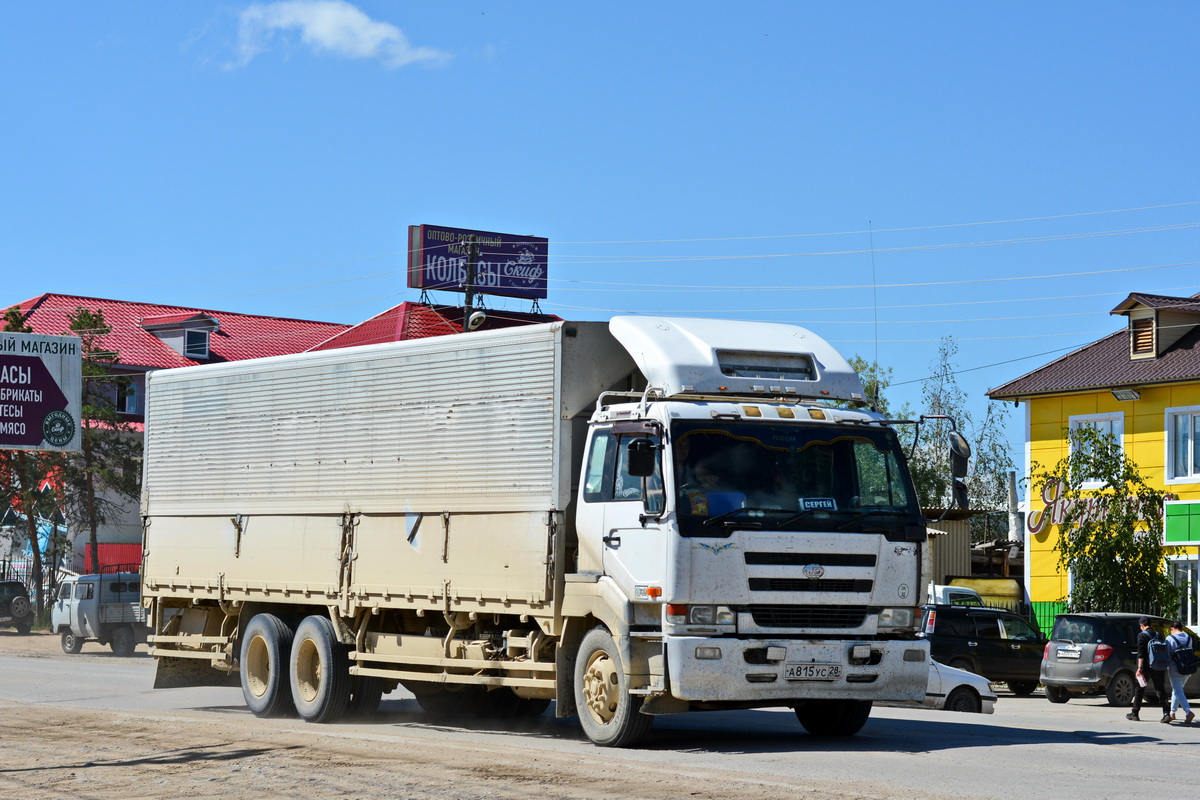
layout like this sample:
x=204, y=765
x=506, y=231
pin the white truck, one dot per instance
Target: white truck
x=641, y=517
x=105, y=607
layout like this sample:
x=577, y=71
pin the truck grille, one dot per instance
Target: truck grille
x=810, y=585
x=804, y=559
x=807, y=617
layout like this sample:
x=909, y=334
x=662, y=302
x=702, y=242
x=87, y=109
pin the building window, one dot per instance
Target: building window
x=1183, y=445
x=1105, y=424
x=195, y=344
x=129, y=396
x=1184, y=572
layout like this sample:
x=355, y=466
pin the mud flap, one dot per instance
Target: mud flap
x=177, y=673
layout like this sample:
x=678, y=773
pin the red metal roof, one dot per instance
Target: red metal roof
x=239, y=337
x=422, y=320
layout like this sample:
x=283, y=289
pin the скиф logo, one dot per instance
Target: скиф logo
x=58, y=428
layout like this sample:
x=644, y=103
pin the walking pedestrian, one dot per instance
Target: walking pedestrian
x=1145, y=674
x=1178, y=640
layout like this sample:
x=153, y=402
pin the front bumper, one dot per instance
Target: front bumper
x=894, y=670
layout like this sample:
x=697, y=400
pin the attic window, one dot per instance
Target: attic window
x=195, y=344
x=1142, y=331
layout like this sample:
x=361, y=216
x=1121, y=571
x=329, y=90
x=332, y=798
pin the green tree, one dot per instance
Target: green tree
x=1111, y=531
x=875, y=380
x=991, y=460
x=104, y=476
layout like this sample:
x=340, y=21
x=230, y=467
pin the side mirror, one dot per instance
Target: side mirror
x=960, y=454
x=959, y=492
x=642, y=458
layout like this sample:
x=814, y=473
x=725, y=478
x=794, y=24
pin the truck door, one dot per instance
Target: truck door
x=85, y=611
x=634, y=555
x=61, y=613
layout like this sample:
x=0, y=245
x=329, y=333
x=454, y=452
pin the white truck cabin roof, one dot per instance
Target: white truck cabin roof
x=685, y=356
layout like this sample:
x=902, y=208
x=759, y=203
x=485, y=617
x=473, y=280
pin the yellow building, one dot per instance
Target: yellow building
x=1141, y=384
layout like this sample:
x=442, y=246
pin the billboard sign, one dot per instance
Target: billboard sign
x=509, y=265
x=41, y=378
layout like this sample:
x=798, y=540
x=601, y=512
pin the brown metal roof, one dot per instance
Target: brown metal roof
x=1157, y=301
x=1106, y=364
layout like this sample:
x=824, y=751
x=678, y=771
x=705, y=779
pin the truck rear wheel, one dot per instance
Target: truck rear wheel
x=71, y=644
x=266, y=646
x=320, y=673
x=365, y=693
x=123, y=641
x=833, y=717
x=608, y=713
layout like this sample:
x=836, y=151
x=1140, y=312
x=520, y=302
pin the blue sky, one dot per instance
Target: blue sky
x=885, y=174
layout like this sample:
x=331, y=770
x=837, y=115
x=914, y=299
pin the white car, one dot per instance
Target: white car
x=953, y=689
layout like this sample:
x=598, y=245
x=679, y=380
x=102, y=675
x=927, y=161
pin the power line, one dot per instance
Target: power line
x=897, y=230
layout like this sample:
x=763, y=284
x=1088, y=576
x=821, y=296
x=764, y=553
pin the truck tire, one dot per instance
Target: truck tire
x=123, y=641
x=833, y=717
x=1022, y=688
x=365, y=693
x=320, y=671
x=23, y=628
x=1120, y=689
x=71, y=644
x=503, y=703
x=266, y=647
x=445, y=700
x=608, y=713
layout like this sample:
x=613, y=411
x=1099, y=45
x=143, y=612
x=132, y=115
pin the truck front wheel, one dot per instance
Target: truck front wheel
x=71, y=644
x=833, y=717
x=320, y=671
x=123, y=642
x=266, y=645
x=608, y=713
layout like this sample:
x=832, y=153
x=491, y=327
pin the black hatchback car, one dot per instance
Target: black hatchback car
x=15, y=609
x=1096, y=653
x=993, y=642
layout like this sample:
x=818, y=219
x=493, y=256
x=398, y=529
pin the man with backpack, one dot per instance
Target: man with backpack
x=1152, y=666
x=1180, y=665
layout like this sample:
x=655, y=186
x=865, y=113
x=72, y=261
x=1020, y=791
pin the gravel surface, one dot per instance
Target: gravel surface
x=53, y=749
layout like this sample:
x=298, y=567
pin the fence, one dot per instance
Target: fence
x=21, y=569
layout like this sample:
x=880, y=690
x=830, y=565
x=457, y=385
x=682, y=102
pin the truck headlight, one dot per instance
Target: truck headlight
x=679, y=614
x=710, y=615
x=896, y=617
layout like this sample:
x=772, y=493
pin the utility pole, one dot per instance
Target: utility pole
x=472, y=259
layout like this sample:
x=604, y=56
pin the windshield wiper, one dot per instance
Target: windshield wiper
x=730, y=513
x=800, y=515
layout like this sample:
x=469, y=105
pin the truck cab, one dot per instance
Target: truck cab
x=102, y=607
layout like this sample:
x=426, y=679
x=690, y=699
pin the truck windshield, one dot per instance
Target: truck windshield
x=778, y=476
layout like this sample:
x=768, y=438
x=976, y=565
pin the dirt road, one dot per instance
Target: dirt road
x=56, y=750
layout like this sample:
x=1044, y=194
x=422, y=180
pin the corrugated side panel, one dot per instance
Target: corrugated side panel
x=456, y=423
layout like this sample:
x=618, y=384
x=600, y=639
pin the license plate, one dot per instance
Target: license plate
x=812, y=672
x=1069, y=653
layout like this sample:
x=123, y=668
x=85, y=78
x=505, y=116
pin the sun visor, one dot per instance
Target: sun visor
x=725, y=357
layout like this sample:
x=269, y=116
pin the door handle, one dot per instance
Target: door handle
x=612, y=541
x=1015, y=646
x=972, y=644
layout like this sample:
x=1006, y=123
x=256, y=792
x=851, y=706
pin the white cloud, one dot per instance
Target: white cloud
x=327, y=26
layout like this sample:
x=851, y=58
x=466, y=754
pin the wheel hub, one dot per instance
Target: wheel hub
x=601, y=689
x=258, y=667
x=308, y=670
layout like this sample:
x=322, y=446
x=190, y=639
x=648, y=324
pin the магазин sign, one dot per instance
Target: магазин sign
x=40, y=387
